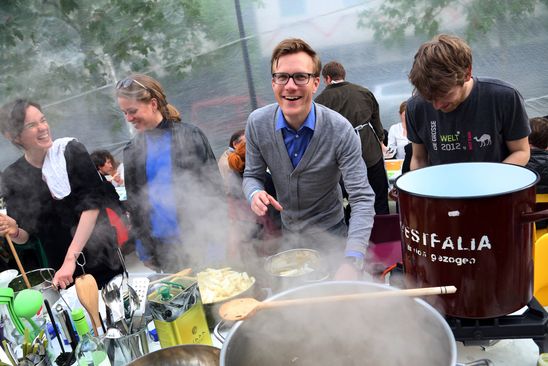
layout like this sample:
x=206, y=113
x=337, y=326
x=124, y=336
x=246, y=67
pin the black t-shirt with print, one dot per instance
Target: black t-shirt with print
x=476, y=130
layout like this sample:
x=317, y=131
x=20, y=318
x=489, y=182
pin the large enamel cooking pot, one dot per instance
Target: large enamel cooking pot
x=389, y=331
x=470, y=225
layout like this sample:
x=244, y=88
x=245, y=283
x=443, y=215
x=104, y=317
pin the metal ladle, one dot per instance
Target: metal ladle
x=134, y=301
x=113, y=300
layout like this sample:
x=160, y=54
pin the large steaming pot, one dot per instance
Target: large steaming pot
x=469, y=225
x=403, y=331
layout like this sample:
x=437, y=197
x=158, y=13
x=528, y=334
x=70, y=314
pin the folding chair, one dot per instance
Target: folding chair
x=385, y=241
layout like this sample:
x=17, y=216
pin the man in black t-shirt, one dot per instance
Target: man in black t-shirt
x=359, y=106
x=454, y=117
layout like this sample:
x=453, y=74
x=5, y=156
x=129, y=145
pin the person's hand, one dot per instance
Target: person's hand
x=118, y=179
x=347, y=272
x=63, y=277
x=8, y=226
x=260, y=202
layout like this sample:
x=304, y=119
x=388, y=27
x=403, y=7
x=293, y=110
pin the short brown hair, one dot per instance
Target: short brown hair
x=539, y=132
x=236, y=137
x=335, y=70
x=403, y=106
x=12, y=117
x=100, y=158
x=439, y=65
x=295, y=45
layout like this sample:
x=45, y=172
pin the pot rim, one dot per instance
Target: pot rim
x=47, y=270
x=474, y=165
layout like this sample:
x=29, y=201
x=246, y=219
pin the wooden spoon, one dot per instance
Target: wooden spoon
x=88, y=295
x=243, y=308
x=182, y=273
x=19, y=265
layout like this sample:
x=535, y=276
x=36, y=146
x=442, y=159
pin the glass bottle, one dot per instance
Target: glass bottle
x=90, y=350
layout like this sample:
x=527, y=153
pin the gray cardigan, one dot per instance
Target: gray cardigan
x=310, y=194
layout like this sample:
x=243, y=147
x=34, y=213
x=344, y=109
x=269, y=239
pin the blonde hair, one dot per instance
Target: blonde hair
x=143, y=88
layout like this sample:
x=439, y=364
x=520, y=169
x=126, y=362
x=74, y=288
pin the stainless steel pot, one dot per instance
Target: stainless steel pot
x=402, y=331
x=211, y=310
x=295, y=267
x=183, y=355
x=222, y=329
x=40, y=279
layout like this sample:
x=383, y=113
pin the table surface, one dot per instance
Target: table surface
x=515, y=352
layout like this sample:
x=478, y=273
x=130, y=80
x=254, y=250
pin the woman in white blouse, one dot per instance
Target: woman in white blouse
x=397, y=135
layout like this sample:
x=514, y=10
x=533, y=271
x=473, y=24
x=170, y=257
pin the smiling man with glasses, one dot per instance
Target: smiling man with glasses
x=307, y=148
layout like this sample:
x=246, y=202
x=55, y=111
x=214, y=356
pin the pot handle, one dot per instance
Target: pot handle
x=534, y=216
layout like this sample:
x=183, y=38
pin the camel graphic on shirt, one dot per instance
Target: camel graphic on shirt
x=484, y=140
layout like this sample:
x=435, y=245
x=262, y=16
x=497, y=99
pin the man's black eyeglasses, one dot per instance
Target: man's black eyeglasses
x=299, y=78
x=126, y=83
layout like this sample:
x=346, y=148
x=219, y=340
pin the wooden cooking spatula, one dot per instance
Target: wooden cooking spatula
x=240, y=309
x=88, y=294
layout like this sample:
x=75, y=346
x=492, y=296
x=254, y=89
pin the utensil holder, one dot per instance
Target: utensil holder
x=127, y=348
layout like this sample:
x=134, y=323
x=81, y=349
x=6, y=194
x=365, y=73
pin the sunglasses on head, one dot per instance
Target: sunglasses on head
x=126, y=83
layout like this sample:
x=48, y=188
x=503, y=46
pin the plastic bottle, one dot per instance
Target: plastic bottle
x=90, y=350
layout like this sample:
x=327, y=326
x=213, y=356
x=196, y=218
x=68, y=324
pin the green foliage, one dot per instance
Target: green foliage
x=394, y=19
x=52, y=49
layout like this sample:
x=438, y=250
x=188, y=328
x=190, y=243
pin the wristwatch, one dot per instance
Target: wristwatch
x=357, y=262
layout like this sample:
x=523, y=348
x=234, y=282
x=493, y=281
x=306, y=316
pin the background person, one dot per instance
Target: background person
x=267, y=228
x=112, y=170
x=102, y=162
x=54, y=191
x=226, y=172
x=538, y=141
x=455, y=117
x=242, y=219
x=397, y=135
x=307, y=148
x=172, y=181
x=359, y=106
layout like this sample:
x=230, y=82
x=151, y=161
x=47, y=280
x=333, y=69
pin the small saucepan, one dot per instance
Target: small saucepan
x=40, y=279
x=295, y=267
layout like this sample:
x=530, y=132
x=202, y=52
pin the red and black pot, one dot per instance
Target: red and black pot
x=470, y=225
